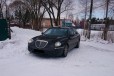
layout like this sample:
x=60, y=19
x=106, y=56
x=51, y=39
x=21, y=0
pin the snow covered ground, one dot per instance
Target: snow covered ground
x=93, y=58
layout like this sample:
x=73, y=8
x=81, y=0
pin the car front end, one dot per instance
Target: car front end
x=52, y=47
x=51, y=42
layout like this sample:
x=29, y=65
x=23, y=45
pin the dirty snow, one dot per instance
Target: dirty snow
x=93, y=58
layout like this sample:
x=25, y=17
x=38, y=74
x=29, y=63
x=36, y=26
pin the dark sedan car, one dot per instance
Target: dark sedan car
x=55, y=41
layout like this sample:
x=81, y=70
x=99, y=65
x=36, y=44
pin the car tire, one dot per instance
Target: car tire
x=78, y=44
x=65, y=51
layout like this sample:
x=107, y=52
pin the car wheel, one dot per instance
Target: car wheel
x=78, y=44
x=65, y=51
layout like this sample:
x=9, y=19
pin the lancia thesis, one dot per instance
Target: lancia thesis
x=57, y=41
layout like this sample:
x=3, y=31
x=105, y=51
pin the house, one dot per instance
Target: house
x=46, y=23
x=101, y=27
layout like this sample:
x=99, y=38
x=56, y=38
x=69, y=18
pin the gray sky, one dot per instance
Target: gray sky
x=98, y=13
x=76, y=12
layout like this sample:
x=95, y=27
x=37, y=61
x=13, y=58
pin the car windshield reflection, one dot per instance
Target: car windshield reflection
x=56, y=32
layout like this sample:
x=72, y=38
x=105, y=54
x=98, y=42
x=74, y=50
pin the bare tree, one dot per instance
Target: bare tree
x=29, y=10
x=59, y=6
x=19, y=9
x=51, y=6
x=111, y=9
x=84, y=4
x=2, y=6
x=106, y=21
x=37, y=12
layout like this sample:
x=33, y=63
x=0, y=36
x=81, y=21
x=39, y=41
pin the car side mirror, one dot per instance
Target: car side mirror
x=42, y=33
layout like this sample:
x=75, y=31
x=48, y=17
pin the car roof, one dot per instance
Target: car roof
x=63, y=27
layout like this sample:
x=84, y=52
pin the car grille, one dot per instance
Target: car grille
x=41, y=43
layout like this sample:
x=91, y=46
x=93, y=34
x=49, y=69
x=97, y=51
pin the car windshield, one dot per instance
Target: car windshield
x=56, y=32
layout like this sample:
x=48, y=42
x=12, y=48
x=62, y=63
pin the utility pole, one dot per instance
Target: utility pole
x=89, y=27
x=107, y=4
x=85, y=13
x=107, y=20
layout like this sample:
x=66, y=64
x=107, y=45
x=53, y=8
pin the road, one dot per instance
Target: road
x=84, y=61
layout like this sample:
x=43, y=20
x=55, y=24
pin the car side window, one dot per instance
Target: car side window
x=75, y=31
x=71, y=31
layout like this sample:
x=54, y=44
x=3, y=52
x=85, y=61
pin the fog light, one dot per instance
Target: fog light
x=30, y=41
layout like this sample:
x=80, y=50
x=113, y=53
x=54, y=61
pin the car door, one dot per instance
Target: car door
x=76, y=36
x=72, y=38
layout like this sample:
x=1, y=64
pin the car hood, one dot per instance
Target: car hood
x=49, y=38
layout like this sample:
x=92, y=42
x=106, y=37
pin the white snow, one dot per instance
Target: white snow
x=96, y=36
x=93, y=58
x=18, y=44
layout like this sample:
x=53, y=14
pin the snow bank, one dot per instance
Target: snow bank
x=96, y=36
x=18, y=43
x=20, y=37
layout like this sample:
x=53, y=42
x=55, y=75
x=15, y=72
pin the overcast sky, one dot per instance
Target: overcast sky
x=99, y=13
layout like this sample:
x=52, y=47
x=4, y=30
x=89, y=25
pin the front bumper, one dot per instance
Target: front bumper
x=47, y=50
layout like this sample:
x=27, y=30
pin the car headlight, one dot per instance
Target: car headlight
x=30, y=41
x=57, y=44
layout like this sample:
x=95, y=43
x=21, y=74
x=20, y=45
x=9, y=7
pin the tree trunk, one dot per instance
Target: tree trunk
x=89, y=29
x=85, y=22
x=51, y=20
x=107, y=21
x=58, y=16
x=1, y=13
